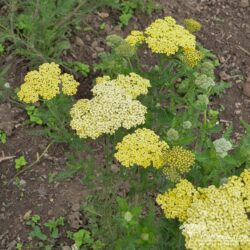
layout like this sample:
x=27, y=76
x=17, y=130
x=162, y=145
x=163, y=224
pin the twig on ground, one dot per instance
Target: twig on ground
x=5, y=158
x=39, y=157
x=244, y=50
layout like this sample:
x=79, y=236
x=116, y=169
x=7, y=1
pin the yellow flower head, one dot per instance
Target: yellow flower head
x=102, y=79
x=69, y=84
x=45, y=83
x=213, y=218
x=216, y=220
x=109, y=110
x=133, y=84
x=192, y=25
x=164, y=36
x=176, y=201
x=179, y=159
x=143, y=148
x=135, y=38
x=191, y=57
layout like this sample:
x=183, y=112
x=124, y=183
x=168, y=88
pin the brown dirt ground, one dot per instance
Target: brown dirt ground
x=226, y=31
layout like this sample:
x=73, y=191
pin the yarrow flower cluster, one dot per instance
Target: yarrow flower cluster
x=187, y=124
x=191, y=57
x=136, y=37
x=213, y=218
x=192, y=25
x=143, y=148
x=164, y=36
x=46, y=83
x=202, y=102
x=133, y=84
x=204, y=82
x=176, y=201
x=110, y=109
x=172, y=134
x=178, y=162
x=222, y=146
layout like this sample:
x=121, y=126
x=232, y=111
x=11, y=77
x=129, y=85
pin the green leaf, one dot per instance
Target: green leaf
x=20, y=162
x=37, y=233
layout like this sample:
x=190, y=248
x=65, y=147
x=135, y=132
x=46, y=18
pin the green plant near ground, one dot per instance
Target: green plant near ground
x=80, y=67
x=41, y=239
x=45, y=235
x=32, y=112
x=20, y=163
x=83, y=240
x=137, y=232
x=40, y=30
x=3, y=137
x=128, y=9
x=54, y=115
x=53, y=225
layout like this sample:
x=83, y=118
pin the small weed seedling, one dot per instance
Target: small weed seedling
x=80, y=67
x=20, y=163
x=3, y=137
x=45, y=241
x=53, y=225
x=83, y=240
x=33, y=114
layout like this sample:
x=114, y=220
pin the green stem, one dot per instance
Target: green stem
x=130, y=64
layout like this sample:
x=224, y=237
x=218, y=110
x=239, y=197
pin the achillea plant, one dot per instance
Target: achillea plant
x=192, y=25
x=164, y=36
x=175, y=202
x=178, y=162
x=135, y=38
x=191, y=57
x=133, y=84
x=213, y=218
x=143, y=148
x=46, y=83
x=110, y=109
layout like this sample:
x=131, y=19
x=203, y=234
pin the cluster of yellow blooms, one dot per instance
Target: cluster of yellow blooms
x=164, y=36
x=176, y=201
x=135, y=38
x=46, y=83
x=179, y=161
x=110, y=109
x=191, y=56
x=133, y=84
x=192, y=25
x=143, y=148
x=213, y=218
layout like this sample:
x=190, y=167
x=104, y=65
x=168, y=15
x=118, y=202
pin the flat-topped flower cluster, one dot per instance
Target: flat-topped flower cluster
x=112, y=107
x=46, y=83
x=213, y=218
